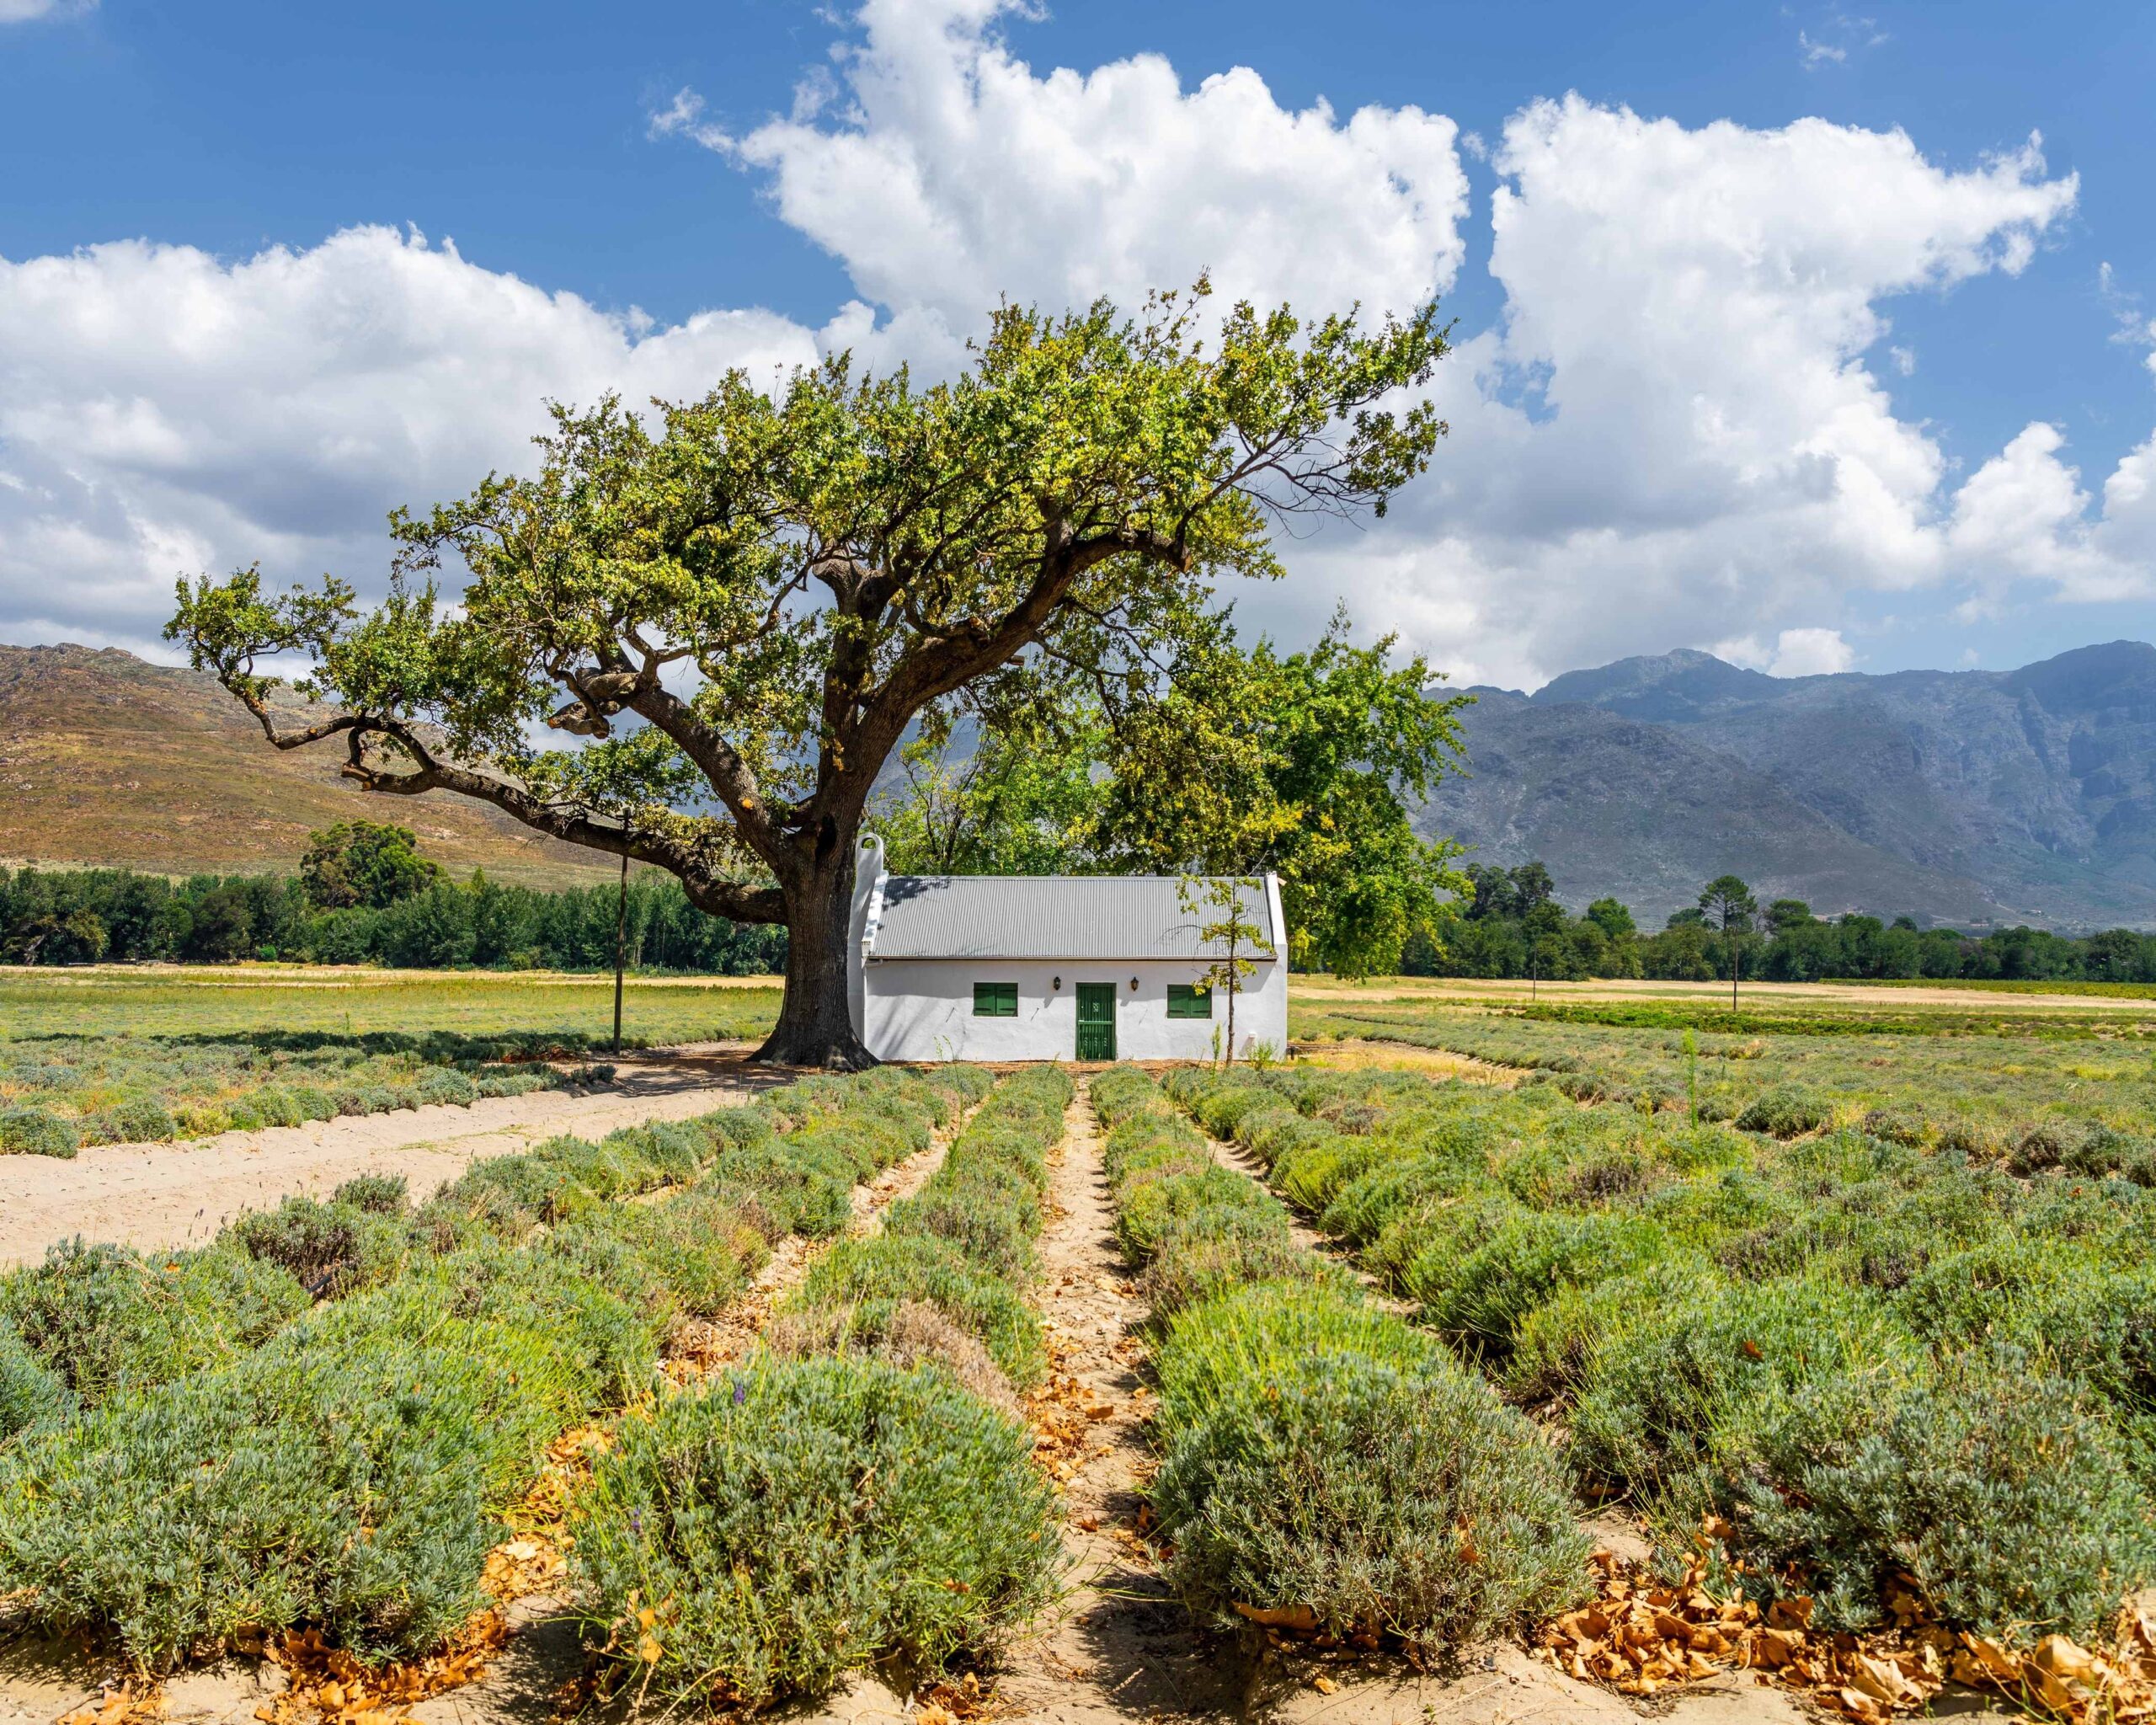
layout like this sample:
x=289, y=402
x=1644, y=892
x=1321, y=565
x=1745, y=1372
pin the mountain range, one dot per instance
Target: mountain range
x=108, y=760
x=1967, y=798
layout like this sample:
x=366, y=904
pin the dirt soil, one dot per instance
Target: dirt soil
x=161, y=1195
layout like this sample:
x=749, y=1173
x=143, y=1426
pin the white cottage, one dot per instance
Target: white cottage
x=1005, y=967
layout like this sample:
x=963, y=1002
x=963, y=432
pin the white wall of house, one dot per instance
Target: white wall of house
x=922, y=1009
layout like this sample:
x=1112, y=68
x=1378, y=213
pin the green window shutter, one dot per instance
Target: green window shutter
x=1189, y=1000
x=995, y=1000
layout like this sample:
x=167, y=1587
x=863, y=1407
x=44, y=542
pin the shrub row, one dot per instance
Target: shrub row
x=1991, y=1090
x=1320, y=1455
x=861, y=1492
x=347, y=1472
x=42, y=1131
x=1870, y=1359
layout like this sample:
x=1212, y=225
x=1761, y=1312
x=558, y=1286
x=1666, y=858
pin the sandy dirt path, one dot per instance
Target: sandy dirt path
x=162, y=1195
x=1120, y=1648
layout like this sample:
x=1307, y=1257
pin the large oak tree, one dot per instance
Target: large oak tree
x=743, y=604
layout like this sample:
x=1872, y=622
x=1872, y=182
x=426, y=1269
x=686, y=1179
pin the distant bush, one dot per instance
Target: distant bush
x=380, y=1195
x=1483, y=1296
x=795, y=1522
x=35, y=1132
x=1788, y=1111
x=696, y=1245
x=330, y=1249
x=138, y=1120
x=870, y=1278
x=1214, y=1251
x=1153, y=1200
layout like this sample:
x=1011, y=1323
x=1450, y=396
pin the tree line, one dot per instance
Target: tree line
x=1511, y=925
x=405, y=912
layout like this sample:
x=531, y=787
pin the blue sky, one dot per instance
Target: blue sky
x=524, y=134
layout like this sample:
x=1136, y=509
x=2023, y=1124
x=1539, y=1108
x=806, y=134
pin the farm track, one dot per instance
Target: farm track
x=1120, y=1648
x=158, y=1196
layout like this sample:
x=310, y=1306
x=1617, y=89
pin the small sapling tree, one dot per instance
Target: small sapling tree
x=1221, y=902
x=1728, y=905
x=743, y=603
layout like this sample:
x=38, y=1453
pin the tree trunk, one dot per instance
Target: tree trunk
x=814, y=1027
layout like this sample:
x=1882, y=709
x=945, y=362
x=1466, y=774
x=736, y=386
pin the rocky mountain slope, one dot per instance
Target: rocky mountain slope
x=105, y=759
x=1961, y=797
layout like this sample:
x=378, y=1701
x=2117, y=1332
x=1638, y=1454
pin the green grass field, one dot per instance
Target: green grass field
x=107, y=1056
x=1939, y=1070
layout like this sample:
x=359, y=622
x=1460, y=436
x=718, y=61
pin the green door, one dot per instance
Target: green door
x=1096, y=1020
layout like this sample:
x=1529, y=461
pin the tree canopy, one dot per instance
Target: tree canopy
x=366, y=865
x=742, y=604
x=1233, y=761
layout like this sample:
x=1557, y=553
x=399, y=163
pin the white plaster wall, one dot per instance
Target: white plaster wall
x=922, y=1009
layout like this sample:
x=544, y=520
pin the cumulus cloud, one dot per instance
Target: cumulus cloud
x=1675, y=427
x=1676, y=431
x=949, y=172
x=1810, y=653
x=162, y=412
x=23, y=11
x=2025, y=514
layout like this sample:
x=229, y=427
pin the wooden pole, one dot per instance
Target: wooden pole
x=621, y=948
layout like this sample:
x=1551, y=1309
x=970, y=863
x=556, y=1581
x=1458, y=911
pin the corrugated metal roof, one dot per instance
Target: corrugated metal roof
x=1049, y=916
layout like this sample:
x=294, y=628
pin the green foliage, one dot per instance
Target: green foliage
x=695, y=1246
x=868, y=1279
x=834, y=557
x=330, y=1249
x=30, y=1389
x=799, y=1520
x=1320, y=1453
x=1213, y=1251
x=35, y=1132
x=1262, y=1333
x=1787, y=1111
x=1800, y=1333
x=105, y=1319
x=1406, y=1500
x=2001, y=1492
x=237, y=1469
x=378, y=1194
x=235, y=1496
x=365, y=864
x=1155, y=1199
